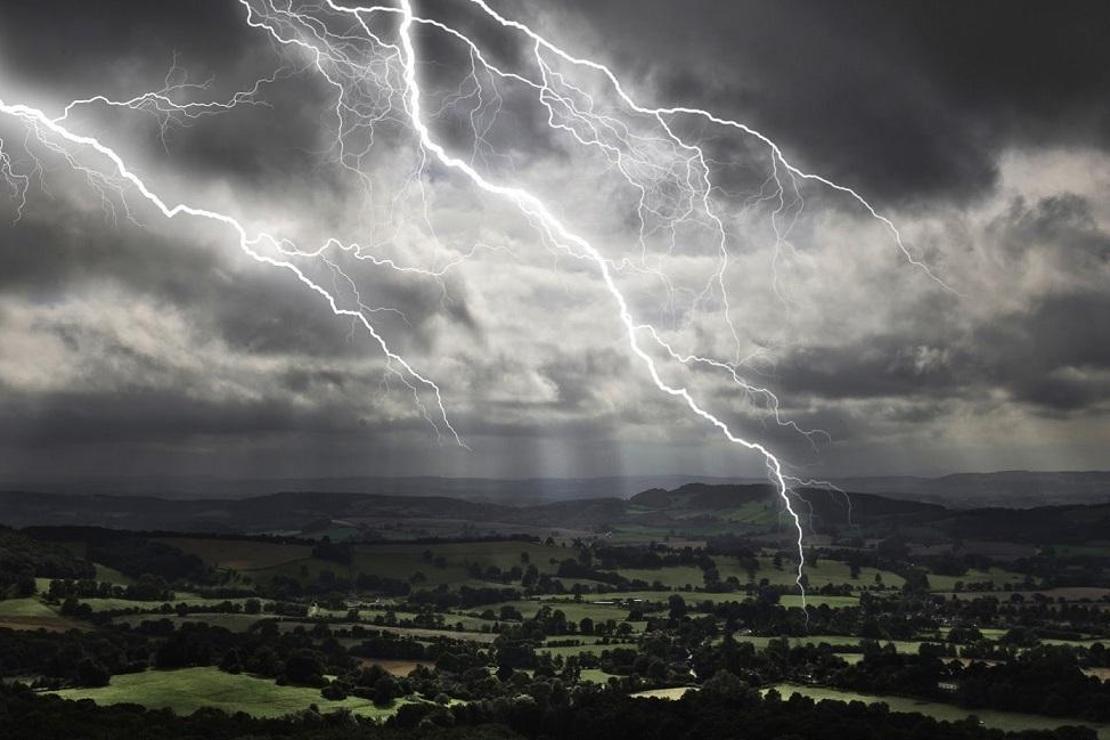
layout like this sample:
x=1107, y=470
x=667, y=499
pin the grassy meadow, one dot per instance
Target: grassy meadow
x=189, y=689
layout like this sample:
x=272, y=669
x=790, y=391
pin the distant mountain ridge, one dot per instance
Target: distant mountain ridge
x=833, y=507
x=702, y=496
x=505, y=490
x=1011, y=488
x=696, y=509
x=1007, y=488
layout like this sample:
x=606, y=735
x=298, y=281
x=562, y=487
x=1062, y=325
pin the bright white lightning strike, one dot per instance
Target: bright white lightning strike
x=377, y=80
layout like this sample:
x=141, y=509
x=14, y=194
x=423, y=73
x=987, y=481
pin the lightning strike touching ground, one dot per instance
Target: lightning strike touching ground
x=369, y=58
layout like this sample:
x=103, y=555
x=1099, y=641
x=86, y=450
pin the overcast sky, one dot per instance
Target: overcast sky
x=130, y=343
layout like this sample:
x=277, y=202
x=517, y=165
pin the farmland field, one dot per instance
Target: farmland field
x=450, y=564
x=575, y=611
x=243, y=555
x=998, y=576
x=112, y=604
x=31, y=614
x=673, y=693
x=25, y=607
x=188, y=689
x=596, y=675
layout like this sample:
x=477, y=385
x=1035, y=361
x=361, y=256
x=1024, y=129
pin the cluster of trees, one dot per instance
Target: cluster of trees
x=22, y=558
x=137, y=556
x=1043, y=680
x=328, y=585
x=778, y=662
x=296, y=657
x=370, y=682
x=464, y=597
x=391, y=647
x=335, y=552
x=72, y=658
x=1053, y=568
x=647, y=557
x=146, y=588
x=1037, y=615
x=764, y=616
x=71, y=607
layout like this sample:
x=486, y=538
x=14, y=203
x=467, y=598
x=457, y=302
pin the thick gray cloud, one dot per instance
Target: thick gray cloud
x=159, y=345
x=907, y=100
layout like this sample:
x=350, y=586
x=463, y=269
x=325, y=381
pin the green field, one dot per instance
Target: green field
x=824, y=572
x=420, y=633
x=1007, y=721
x=188, y=689
x=693, y=598
x=231, y=622
x=821, y=573
x=1082, y=594
x=242, y=622
x=674, y=577
x=25, y=607
x=596, y=675
x=997, y=576
x=649, y=596
x=111, y=575
x=31, y=614
x=815, y=600
x=676, y=692
x=755, y=513
x=112, y=604
x=239, y=554
x=1078, y=643
x=575, y=611
x=104, y=574
x=568, y=650
x=263, y=560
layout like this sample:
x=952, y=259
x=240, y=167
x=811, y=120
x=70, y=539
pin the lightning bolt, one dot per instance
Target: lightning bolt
x=375, y=77
x=41, y=124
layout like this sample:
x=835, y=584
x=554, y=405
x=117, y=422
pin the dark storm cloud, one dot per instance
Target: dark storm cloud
x=1056, y=355
x=256, y=311
x=73, y=46
x=1052, y=354
x=914, y=103
x=121, y=48
x=266, y=312
x=575, y=376
x=154, y=417
x=905, y=100
x=875, y=367
x=43, y=255
x=1063, y=224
